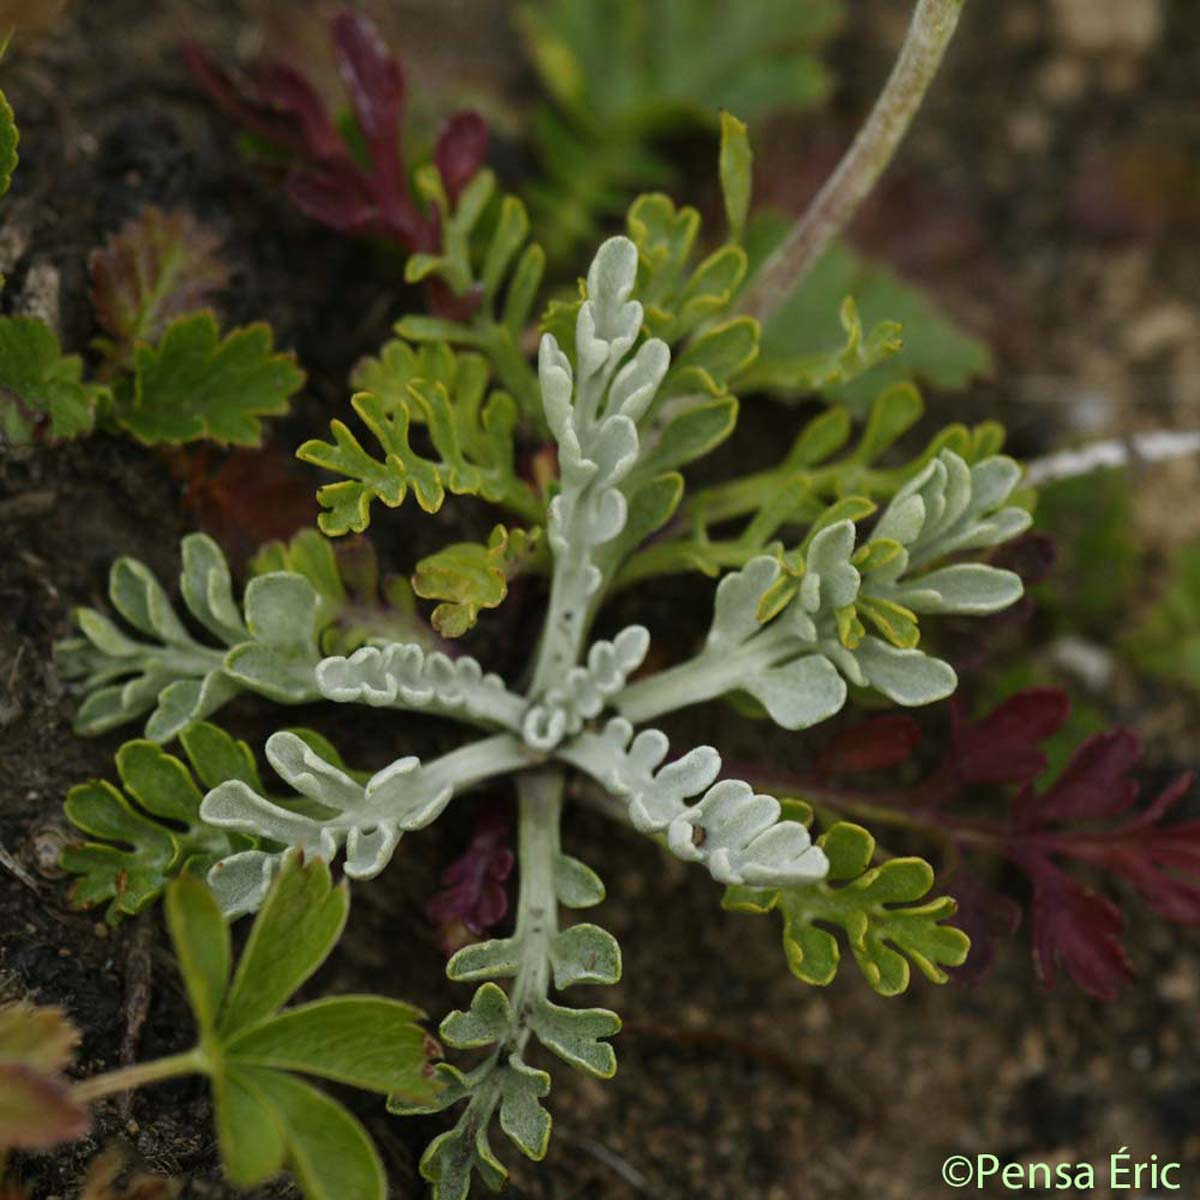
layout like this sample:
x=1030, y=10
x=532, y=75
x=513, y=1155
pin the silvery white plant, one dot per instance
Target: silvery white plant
x=790, y=629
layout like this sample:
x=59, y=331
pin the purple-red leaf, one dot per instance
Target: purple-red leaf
x=461, y=150
x=282, y=90
x=324, y=179
x=1077, y=929
x=373, y=80
x=341, y=200
x=241, y=98
x=1005, y=746
x=473, y=898
x=1161, y=861
x=37, y=1110
x=1094, y=784
x=872, y=745
x=986, y=916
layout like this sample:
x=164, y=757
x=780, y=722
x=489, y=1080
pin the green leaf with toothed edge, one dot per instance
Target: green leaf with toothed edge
x=616, y=90
x=42, y=393
x=196, y=384
x=934, y=349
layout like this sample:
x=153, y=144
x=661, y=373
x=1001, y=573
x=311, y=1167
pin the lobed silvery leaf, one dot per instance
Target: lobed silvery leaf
x=791, y=629
x=738, y=835
x=405, y=675
x=336, y=812
x=950, y=506
x=269, y=645
x=562, y=710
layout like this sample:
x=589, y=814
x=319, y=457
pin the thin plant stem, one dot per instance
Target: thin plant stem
x=929, y=34
x=192, y=1062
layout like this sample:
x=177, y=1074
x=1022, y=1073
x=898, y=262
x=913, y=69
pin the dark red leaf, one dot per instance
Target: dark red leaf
x=37, y=1110
x=373, y=79
x=461, y=150
x=473, y=897
x=1077, y=929
x=1005, y=745
x=325, y=180
x=237, y=96
x=1161, y=861
x=986, y=916
x=871, y=745
x=1094, y=784
x=340, y=199
x=284, y=90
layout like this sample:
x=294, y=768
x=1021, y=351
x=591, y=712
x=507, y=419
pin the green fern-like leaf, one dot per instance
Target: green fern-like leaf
x=881, y=911
x=471, y=432
x=488, y=261
x=795, y=358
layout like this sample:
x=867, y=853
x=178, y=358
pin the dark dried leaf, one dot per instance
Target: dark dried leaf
x=158, y=267
x=473, y=897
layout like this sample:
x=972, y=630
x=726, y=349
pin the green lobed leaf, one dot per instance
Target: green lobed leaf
x=677, y=300
x=195, y=384
x=367, y=1042
x=615, y=90
x=472, y=436
x=250, y=1134
x=42, y=394
x=266, y=1118
x=200, y=939
x=327, y=1149
x=149, y=832
x=468, y=576
x=878, y=910
x=826, y=370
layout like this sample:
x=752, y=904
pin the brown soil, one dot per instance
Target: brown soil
x=1049, y=198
